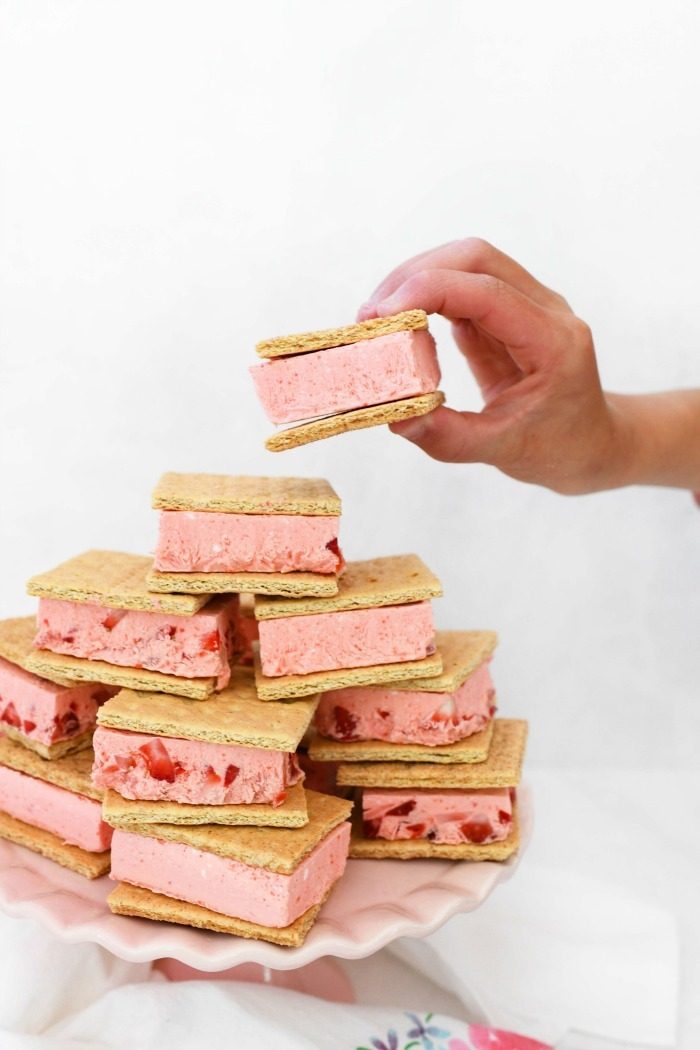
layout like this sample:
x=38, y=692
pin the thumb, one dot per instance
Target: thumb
x=452, y=437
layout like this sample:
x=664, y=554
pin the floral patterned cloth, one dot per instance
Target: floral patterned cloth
x=429, y=1033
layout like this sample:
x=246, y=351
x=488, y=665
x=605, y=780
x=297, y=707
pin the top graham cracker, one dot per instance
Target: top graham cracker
x=277, y=849
x=245, y=495
x=72, y=772
x=326, y=338
x=17, y=644
x=462, y=652
x=396, y=580
x=113, y=579
x=233, y=716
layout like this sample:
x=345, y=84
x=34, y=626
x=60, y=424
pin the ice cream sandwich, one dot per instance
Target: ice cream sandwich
x=362, y=375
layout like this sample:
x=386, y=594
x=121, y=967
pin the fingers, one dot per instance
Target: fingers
x=491, y=365
x=471, y=255
x=527, y=329
x=452, y=437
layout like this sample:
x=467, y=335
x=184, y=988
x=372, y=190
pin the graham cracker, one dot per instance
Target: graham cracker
x=233, y=716
x=113, y=579
x=395, y=580
x=277, y=849
x=502, y=768
x=462, y=653
x=91, y=865
x=474, y=748
x=293, y=686
x=288, y=584
x=357, y=419
x=48, y=664
x=236, y=494
x=59, y=749
x=72, y=772
x=17, y=643
x=326, y=338
x=125, y=813
x=133, y=900
x=412, y=849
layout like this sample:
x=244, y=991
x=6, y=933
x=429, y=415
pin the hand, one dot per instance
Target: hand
x=546, y=418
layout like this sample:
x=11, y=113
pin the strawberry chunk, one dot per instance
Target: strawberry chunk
x=230, y=775
x=10, y=716
x=160, y=765
x=345, y=723
x=403, y=809
x=69, y=723
x=211, y=643
x=29, y=726
x=478, y=829
x=417, y=831
x=112, y=619
x=382, y=713
x=211, y=778
x=333, y=547
x=503, y=817
x=370, y=828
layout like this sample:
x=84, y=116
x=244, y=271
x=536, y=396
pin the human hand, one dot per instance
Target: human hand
x=546, y=418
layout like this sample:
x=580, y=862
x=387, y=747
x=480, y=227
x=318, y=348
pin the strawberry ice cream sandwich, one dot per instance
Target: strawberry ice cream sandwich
x=98, y=622
x=379, y=628
x=220, y=534
x=52, y=808
x=213, y=759
x=263, y=883
x=51, y=718
x=362, y=375
x=432, y=712
x=455, y=811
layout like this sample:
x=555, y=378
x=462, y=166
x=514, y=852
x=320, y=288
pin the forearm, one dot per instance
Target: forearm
x=659, y=438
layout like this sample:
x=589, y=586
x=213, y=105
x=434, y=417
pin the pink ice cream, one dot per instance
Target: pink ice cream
x=449, y=816
x=198, y=646
x=349, y=638
x=368, y=372
x=74, y=818
x=45, y=712
x=228, y=886
x=408, y=717
x=138, y=765
x=207, y=541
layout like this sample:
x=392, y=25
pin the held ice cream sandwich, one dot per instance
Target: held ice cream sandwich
x=432, y=712
x=98, y=622
x=52, y=808
x=220, y=534
x=51, y=718
x=455, y=811
x=264, y=883
x=231, y=752
x=379, y=628
x=362, y=375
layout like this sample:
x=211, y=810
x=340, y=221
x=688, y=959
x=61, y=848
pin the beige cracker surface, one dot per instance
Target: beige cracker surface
x=288, y=584
x=233, y=716
x=246, y=495
x=71, y=772
x=125, y=813
x=50, y=752
x=474, y=748
x=395, y=580
x=91, y=865
x=411, y=849
x=48, y=664
x=132, y=900
x=277, y=849
x=462, y=653
x=502, y=768
x=357, y=419
x=326, y=338
x=17, y=643
x=293, y=686
x=113, y=579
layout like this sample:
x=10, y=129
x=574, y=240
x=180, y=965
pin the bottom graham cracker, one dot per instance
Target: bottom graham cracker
x=414, y=849
x=91, y=865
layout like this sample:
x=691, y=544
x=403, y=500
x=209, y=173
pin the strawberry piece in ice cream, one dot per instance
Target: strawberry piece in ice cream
x=198, y=646
x=347, y=638
x=228, y=886
x=196, y=772
x=450, y=816
x=45, y=712
x=74, y=818
x=408, y=716
x=369, y=372
x=208, y=541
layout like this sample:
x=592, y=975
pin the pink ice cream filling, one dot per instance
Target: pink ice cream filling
x=194, y=541
x=408, y=717
x=228, y=886
x=198, y=646
x=141, y=766
x=349, y=638
x=45, y=712
x=73, y=818
x=369, y=372
x=448, y=816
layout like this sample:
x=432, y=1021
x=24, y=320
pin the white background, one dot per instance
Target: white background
x=182, y=179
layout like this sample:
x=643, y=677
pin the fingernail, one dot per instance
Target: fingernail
x=366, y=311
